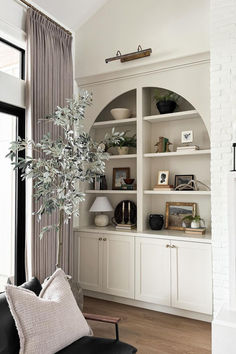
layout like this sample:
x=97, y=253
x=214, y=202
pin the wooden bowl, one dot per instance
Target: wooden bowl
x=129, y=180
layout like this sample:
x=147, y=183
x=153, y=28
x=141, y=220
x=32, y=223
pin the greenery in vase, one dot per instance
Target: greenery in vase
x=58, y=165
x=191, y=218
x=170, y=96
x=119, y=139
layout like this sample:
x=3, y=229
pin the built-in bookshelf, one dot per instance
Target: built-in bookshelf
x=144, y=162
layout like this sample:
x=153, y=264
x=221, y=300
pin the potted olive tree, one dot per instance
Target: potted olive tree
x=166, y=103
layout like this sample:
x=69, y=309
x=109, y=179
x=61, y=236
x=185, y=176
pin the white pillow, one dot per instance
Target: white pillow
x=50, y=322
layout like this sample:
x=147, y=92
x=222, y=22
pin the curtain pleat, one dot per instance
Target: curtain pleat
x=51, y=82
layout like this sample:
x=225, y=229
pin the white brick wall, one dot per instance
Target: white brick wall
x=223, y=114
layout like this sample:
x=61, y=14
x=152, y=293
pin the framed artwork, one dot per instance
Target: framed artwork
x=175, y=212
x=184, y=179
x=187, y=137
x=119, y=174
x=163, y=178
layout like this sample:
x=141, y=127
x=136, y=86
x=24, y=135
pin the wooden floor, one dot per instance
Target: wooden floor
x=152, y=332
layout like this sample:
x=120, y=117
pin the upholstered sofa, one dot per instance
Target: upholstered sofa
x=9, y=340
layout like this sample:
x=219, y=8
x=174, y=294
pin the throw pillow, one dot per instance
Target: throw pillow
x=49, y=322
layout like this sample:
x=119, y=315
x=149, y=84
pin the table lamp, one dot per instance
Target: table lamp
x=100, y=205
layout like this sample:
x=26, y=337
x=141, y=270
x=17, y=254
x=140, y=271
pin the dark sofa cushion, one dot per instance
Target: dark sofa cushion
x=9, y=340
x=94, y=345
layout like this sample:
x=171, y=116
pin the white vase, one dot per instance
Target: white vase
x=123, y=150
x=101, y=220
x=195, y=224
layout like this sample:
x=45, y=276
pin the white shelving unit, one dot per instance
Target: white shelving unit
x=89, y=191
x=179, y=193
x=111, y=123
x=178, y=153
x=120, y=157
x=172, y=116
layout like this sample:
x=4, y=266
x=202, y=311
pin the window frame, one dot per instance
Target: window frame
x=22, y=52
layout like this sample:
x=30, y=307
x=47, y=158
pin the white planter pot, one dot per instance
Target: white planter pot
x=195, y=224
x=124, y=150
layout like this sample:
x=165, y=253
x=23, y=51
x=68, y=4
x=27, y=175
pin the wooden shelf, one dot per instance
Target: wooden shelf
x=108, y=123
x=178, y=153
x=118, y=191
x=172, y=116
x=118, y=157
x=178, y=192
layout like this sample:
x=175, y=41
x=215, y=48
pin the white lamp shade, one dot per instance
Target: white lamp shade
x=101, y=204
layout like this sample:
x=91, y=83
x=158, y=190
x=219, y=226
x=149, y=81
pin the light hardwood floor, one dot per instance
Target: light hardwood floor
x=152, y=332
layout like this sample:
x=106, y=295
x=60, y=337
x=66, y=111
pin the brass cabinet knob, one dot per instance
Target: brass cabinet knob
x=104, y=239
x=173, y=246
x=100, y=239
x=167, y=246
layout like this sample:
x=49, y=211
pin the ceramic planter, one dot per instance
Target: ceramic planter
x=165, y=107
x=195, y=224
x=123, y=150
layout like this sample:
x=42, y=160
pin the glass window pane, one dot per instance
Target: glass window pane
x=7, y=199
x=10, y=60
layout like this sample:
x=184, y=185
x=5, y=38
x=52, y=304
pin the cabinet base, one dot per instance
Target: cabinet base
x=149, y=306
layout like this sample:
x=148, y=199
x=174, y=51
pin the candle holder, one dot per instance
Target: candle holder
x=234, y=162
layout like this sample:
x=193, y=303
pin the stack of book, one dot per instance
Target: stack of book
x=199, y=231
x=125, y=226
x=160, y=187
x=187, y=148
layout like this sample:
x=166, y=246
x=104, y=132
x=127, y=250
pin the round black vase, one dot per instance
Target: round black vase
x=165, y=107
x=156, y=221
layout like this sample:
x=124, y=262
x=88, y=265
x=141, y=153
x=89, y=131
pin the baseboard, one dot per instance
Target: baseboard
x=149, y=306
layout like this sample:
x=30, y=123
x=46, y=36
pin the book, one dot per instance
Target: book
x=167, y=187
x=189, y=147
x=125, y=226
x=163, y=186
x=199, y=231
x=163, y=189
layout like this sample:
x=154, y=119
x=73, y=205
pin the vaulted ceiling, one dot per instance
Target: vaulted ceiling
x=72, y=13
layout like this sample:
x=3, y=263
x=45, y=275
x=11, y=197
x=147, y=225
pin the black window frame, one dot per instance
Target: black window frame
x=22, y=52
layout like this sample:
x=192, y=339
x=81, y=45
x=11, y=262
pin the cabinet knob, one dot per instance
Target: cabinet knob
x=173, y=246
x=167, y=246
x=100, y=239
x=104, y=239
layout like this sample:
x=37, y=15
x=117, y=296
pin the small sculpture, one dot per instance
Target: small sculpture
x=163, y=145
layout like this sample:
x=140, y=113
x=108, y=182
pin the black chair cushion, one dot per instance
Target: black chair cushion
x=94, y=345
x=9, y=340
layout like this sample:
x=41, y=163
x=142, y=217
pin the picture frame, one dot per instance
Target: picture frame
x=119, y=174
x=175, y=212
x=163, y=178
x=184, y=179
x=187, y=137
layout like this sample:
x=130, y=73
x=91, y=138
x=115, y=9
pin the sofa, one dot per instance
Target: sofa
x=9, y=340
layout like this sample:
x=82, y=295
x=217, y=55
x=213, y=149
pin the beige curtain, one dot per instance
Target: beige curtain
x=50, y=82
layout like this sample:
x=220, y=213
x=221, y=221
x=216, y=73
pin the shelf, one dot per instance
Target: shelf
x=178, y=192
x=129, y=156
x=109, y=123
x=178, y=153
x=118, y=191
x=172, y=116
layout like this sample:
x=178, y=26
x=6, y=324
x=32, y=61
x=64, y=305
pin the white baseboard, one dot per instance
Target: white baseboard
x=149, y=306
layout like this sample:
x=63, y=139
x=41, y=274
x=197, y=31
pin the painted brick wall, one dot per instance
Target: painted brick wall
x=223, y=115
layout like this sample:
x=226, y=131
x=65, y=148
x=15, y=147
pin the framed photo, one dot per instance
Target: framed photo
x=119, y=174
x=187, y=137
x=175, y=212
x=163, y=178
x=184, y=179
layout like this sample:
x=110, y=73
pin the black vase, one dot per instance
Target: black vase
x=156, y=221
x=166, y=106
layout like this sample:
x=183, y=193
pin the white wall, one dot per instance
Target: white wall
x=171, y=28
x=223, y=115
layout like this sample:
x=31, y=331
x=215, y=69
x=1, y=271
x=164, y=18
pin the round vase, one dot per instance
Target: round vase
x=195, y=224
x=165, y=107
x=123, y=150
x=101, y=220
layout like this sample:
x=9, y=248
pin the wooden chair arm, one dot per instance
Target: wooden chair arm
x=106, y=319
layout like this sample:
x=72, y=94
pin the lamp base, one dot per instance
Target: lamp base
x=101, y=220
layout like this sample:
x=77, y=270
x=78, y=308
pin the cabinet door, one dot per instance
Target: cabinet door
x=152, y=271
x=90, y=261
x=118, y=265
x=191, y=276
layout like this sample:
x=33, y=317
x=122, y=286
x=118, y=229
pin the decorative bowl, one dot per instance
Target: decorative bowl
x=120, y=113
x=129, y=180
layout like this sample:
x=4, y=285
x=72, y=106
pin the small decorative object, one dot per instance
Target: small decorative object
x=192, y=185
x=96, y=183
x=166, y=103
x=176, y=211
x=187, y=137
x=184, y=180
x=119, y=174
x=125, y=213
x=103, y=183
x=163, y=178
x=163, y=145
x=156, y=221
x=120, y=113
x=119, y=140
x=234, y=158
x=195, y=221
x=123, y=150
x=100, y=205
x=141, y=53
x=129, y=184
